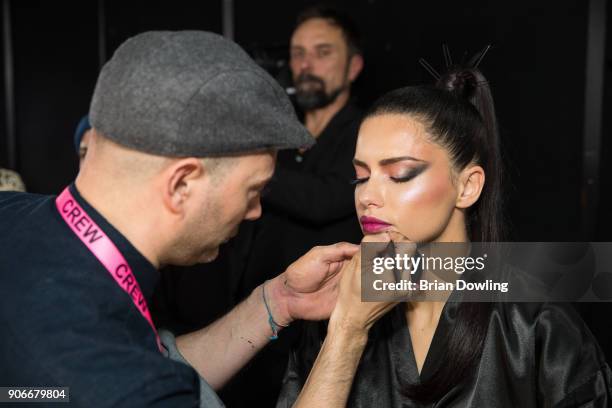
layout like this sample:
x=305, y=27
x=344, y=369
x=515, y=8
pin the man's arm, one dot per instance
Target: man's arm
x=220, y=350
x=307, y=290
x=331, y=378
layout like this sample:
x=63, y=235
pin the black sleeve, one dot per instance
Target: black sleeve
x=572, y=371
x=292, y=383
x=301, y=361
x=66, y=340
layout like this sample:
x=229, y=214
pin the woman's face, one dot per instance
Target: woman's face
x=405, y=183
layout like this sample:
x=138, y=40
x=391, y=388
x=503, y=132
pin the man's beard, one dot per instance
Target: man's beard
x=315, y=96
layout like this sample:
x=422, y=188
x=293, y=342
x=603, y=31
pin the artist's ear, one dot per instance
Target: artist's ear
x=179, y=183
x=470, y=184
x=355, y=67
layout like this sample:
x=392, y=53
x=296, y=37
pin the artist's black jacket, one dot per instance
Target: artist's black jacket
x=65, y=322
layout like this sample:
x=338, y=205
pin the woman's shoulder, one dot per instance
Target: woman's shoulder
x=567, y=359
x=553, y=317
x=548, y=330
x=546, y=320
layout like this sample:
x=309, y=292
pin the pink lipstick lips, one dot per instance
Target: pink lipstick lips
x=373, y=225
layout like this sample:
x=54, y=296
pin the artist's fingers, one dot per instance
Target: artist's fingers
x=404, y=251
x=397, y=236
x=380, y=237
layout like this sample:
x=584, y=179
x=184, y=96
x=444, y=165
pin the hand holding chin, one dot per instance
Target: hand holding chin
x=351, y=313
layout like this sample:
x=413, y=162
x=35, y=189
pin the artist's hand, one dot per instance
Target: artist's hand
x=350, y=312
x=309, y=287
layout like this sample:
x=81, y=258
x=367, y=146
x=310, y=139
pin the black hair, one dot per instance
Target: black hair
x=338, y=18
x=458, y=113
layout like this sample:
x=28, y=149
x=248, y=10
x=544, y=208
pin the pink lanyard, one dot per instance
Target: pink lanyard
x=107, y=253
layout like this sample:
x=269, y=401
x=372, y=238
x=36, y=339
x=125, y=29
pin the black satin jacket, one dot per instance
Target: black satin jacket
x=534, y=355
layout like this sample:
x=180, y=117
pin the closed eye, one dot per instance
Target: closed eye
x=358, y=180
x=409, y=175
x=403, y=179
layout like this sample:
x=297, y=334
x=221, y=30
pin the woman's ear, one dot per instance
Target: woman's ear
x=471, y=183
x=179, y=183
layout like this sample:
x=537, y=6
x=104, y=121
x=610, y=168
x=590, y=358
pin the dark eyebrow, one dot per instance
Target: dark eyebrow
x=386, y=162
x=398, y=159
x=360, y=163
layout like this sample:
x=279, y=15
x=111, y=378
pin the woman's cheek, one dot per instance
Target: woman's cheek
x=421, y=209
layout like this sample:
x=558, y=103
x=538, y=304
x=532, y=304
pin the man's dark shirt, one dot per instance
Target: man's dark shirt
x=67, y=323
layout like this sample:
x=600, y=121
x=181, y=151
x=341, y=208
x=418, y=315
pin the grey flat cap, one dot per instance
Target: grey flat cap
x=192, y=93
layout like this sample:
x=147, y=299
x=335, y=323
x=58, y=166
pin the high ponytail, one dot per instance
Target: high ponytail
x=469, y=84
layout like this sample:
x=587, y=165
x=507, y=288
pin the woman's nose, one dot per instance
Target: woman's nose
x=369, y=194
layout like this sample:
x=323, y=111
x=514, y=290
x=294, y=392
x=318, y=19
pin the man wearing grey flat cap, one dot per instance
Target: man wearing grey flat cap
x=184, y=138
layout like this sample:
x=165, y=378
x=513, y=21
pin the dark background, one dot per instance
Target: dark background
x=537, y=68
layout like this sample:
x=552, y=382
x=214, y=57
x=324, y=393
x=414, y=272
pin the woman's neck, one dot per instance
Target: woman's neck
x=456, y=229
x=423, y=317
x=424, y=314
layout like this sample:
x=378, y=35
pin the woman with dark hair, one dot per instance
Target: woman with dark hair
x=428, y=167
